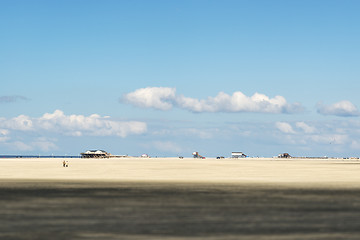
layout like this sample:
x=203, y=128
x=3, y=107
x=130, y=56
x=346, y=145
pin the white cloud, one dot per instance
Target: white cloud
x=4, y=132
x=151, y=97
x=4, y=135
x=284, y=127
x=163, y=98
x=238, y=102
x=56, y=124
x=74, y=125
x=306, y=128
x=266, y=138
x=341, y=109
x=21, y=122
x=325, y=137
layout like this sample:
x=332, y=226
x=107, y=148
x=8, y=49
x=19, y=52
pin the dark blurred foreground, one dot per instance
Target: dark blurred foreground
x=83, y=210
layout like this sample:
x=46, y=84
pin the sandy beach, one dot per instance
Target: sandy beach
x=325, y=172
x=171, y=198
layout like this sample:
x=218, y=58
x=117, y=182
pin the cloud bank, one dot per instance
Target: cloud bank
x=164, y=98
x=341, y=109
x=299, y=138
x=284, y=127
x=24, y=133
x=333, y=136
x=73, y=125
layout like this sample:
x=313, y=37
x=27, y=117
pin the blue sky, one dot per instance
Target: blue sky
x=171, y=77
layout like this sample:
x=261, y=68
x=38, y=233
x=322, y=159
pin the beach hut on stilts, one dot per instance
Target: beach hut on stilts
x=95, y=154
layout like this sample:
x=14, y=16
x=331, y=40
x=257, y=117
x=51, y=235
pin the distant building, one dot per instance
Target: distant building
x=144, y=155
x=284, y=155
x=95, y=154
x=238, y=155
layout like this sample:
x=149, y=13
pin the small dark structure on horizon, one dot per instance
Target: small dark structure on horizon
x=284, y=155
x=238, y=155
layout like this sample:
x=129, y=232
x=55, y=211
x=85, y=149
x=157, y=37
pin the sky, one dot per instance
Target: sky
x=168, y=78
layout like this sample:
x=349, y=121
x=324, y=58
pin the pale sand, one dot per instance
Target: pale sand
x=169, y=198
x=336, y=173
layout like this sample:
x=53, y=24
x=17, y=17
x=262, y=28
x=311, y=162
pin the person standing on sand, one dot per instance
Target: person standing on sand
x=64, y=163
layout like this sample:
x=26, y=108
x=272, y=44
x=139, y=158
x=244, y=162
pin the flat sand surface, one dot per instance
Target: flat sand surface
x=345, y=173
x=173, y=199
